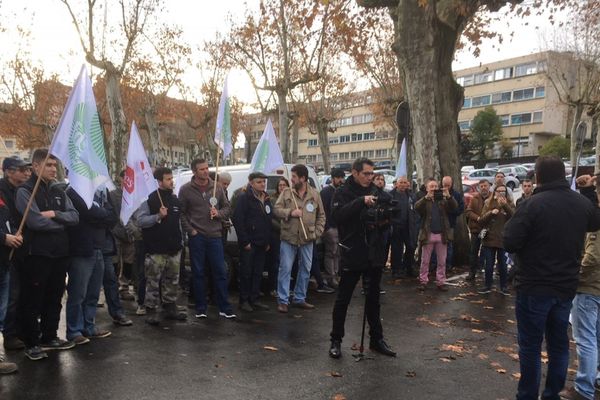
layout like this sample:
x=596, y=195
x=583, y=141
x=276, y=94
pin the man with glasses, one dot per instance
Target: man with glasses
x=16, y=172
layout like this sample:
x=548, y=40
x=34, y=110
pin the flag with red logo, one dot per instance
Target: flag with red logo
x=138, y=181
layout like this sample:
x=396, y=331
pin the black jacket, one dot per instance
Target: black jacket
x=547, y=234
x=8, y=192
x=326, y=197
x=252, y=219
x=453, y=215
x=90, y=233
x=166, y=236
x=361, y=247
x=5, y=228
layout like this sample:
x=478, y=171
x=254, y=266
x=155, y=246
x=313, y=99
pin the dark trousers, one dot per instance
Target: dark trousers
x=273, y=262
x=403, y=251
x=539, y=317
x=42, y=288
x=252, y=265
x=110, y=282
x=139, y=271
x=475, y=259
x=346, y=288
x=492, y=254
x=315, y=267
x=11, y=321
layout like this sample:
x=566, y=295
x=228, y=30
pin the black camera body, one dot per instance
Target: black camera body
x=438, y=195
x=382, y=212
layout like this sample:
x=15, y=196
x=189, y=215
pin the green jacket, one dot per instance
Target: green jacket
x=589, y=277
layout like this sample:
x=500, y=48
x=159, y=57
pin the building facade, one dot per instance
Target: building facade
x=522, y=95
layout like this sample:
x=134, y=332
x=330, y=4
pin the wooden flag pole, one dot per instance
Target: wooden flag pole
x=301, y=222
x=216, y=176
x=160, y=197
x=30, y=202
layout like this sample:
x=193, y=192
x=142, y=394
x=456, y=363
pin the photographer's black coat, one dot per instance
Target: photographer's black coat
x=348, y=209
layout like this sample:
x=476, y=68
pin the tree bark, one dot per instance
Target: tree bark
x=283, y=125
x=118, y=120
x=324, y=144
x=153, y=132
x=295, y=138
x=576, y=120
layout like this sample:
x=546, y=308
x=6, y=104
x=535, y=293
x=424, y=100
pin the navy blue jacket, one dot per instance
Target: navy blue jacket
x=252, y=219
x=90, y=233
x=547, y=234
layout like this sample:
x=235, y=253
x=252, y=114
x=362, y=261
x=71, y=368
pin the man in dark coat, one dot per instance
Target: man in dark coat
x=404, y=230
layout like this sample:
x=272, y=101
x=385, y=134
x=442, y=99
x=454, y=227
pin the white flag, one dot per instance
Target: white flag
x=401, y=169
x=138, y=181
x=223, y=128
x=267, y=156
x=79, y=142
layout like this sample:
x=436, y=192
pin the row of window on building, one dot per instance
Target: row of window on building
x=354, y=137
x=349, y=155
x=530, y=68
x=505, y=97
x=534, y=117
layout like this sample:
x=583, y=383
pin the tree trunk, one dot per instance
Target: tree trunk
x=153, y=132
x=324, y=145
x=574, y=146
x=295, y=138
x=248, y=147
x=595, y=135
x=118, y=121
x=283, y=125
x=425, y=47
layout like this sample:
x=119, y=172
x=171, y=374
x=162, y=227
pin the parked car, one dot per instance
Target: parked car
x=470, y=188
x=466, y=169
x=491, y=165
x=517, y=171
x=384, y=164
x=489, y=174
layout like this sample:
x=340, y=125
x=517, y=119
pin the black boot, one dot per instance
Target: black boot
x=335, y=351
x=152, y=317
x=471, y=276
x=172, y=313
x=382, y=347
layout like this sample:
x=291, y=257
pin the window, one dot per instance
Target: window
x=464, y=125
x=10, y=144
x=519, y=119
x=505, y=119
x=461, y=81
x=526, y=69
x=354, y=154
x=344, y=155
x=503, y=97
x=467, y=103
x=481, y=101
x=523, y=94
x=468, y=80
x=333, y=156
x=368, y=153
x=542, y=66
x=538, y=116
x=343, y=121
x=345, y=139
x=540, y=91
x=312, y=142
x=503, y=73
x=484, y=77
x=334, y=140
x=381, y=153
x=369, y=136
x=357, y=137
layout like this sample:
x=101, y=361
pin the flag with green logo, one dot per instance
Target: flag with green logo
x=267, y=156
x=223, y=128
x=79, y=143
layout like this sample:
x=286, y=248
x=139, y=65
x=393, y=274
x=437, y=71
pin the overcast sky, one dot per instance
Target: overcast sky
x=56, y=44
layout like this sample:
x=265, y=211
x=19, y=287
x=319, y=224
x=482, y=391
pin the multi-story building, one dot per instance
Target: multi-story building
x=522, y=95
x=8, y=148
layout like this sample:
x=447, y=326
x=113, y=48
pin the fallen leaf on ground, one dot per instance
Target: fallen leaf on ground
x=482, y=356
x=297, y=316
x=469, y=318
x=410, y=374
x=355, y=347
x=488, y=307
x=495, y=365
x=476, y=301
x=501, y=371
x=456, y=298
x=271, y=348
x=430, y=322
x=334, y=374
x=447, y=359
x=476, y=331
x=468, y=294
x=338, y=397
x=516, y=375
x=218, y=366
x=510, y=321
x=506, y=350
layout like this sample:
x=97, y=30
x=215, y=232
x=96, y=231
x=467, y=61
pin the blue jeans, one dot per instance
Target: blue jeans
x=201, y=249
x=287, y=254
x=491, y=253
x=111, y=289
x=539, y=316
x=4, y=289
x=586, y=332
x=85, y=281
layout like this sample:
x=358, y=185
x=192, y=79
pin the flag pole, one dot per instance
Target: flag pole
x=297, y=208
x=216, y=175
x=30, y=202
x=162, y=205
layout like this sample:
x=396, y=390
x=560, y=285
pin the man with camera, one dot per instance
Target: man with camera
x=361, y=253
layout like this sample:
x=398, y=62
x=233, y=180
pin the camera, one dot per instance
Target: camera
x=438, y=195
x=381, y=213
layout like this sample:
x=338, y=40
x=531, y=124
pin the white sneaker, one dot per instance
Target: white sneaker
x=141, y=310
x=228, y=315
x=201, y=316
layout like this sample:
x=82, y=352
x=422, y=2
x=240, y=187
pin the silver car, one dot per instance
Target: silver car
x=489, y=175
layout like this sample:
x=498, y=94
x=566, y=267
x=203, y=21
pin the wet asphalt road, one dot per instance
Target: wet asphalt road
x=453, y=345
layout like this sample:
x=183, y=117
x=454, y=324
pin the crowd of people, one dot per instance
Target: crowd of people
x=358, y=222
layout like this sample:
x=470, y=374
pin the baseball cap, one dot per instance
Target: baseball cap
x=13, y=163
